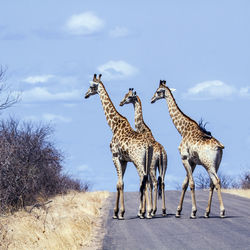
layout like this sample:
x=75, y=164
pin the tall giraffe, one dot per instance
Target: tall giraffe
x=159, y=158
x=197, y=147
x=126, y=145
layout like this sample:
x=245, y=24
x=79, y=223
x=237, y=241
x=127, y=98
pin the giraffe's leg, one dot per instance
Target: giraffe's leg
x=148, y=203
x=122, y=210
x=145, y=201
x=142, y=208
x=151, y=189
x=216, y=182
x=189, y=166
x=184, y=188
x=154, y=184
x=211, y=190
x=163, y=185
x=163, y=199
x=120, y=167
x=116, y=208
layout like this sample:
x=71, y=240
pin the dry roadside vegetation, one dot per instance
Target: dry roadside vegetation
x=68, y=222
x=40, y=206
x=241, y=192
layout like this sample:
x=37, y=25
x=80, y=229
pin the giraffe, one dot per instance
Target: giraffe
x=126, y=145
x=159, y=158
x=198, y=147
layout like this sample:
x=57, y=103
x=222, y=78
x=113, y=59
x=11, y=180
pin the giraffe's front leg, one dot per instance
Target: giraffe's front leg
x=120, y=167
x=116, y=208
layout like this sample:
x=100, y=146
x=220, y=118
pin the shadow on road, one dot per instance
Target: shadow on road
x=158, y=216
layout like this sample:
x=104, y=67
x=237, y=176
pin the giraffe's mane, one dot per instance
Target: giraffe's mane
x=178, y=106
x=202, y=127
x=139, y=100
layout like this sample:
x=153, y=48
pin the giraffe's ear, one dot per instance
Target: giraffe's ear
x=94, y=78
x=160, y=83
x=135, y=93
x=100, y=75
x=164, y=82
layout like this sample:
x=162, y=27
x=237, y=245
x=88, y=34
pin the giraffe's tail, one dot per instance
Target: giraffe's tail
x=159, y=182
x=148, y=158
x=143, y=185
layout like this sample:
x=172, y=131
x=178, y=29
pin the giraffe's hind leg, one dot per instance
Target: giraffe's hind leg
x=164, y=168
x=154, y=184
x=184, y=188
x=189, y=166
x=212, y=169
x=216, y=182
x=211, y=190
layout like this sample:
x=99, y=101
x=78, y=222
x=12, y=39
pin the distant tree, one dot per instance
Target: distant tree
x=245, y=180
x=202, y=181
x=7, y=97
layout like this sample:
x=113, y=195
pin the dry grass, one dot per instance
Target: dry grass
x=241, y=192
x=68, y=222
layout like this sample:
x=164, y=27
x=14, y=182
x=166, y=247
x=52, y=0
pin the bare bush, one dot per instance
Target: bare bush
x=245, y=180
x=8, y=98
x=202, y=181
x=30, y=165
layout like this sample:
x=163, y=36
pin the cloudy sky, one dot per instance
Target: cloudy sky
x=53, y=48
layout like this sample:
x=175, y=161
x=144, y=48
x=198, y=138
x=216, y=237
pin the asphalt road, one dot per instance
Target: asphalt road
x=231, y=232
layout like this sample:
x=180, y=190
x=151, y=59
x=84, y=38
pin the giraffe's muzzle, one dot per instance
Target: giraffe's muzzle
x=153, y=100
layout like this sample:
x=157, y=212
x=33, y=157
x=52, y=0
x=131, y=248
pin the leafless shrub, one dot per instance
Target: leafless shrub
x=8, y=98
x=202, y=181
x=30, y=165
x=245, y=180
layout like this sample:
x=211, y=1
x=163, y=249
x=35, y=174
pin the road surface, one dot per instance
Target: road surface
x=232, y=232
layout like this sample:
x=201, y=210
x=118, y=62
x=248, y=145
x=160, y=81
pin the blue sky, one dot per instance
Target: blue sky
x=53, y=48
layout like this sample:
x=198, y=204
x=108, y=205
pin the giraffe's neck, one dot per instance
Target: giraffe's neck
x=113, y=117
x=140, y=125
x=183, y=123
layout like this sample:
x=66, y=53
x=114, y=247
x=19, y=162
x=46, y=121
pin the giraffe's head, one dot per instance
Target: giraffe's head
x=130, y=97
x=160, y=93
x=93, y=89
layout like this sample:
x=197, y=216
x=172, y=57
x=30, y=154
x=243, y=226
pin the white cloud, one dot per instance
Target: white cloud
x=211, y=90
x=48, y=117
x=37, y=79
x=117, y=69
x=84, y=24
x=245, y=91
x=39, y=94
x=119, y=32
x=53, y=117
